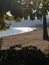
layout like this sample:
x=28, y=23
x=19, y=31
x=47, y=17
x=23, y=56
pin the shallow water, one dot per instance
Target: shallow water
x=16, y=30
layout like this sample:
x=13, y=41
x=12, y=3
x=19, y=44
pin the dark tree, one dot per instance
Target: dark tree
x=42, y=9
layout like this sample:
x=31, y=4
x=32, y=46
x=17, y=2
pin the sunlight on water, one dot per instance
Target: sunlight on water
x=16, y=30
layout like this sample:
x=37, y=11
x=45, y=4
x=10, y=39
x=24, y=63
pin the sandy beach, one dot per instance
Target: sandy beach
x=33, y=38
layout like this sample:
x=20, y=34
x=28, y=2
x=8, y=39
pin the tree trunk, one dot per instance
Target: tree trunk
x=45, y=33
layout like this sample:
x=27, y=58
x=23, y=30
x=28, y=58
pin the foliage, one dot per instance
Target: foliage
x=32, y=16
x=18, y=19
x=3, y=25
x=25, y=56
x=19, y=10
x=10, y=18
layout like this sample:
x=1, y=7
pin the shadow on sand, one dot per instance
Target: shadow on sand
x=29, y=55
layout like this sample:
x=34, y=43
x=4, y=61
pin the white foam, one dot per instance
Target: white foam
x=16, y=30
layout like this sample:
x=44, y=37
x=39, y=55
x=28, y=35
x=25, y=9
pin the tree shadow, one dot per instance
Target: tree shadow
x=1, y=40
x=47, y=39
x=29, y=55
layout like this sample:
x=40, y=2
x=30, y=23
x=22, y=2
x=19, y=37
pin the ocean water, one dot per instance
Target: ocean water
x=22, y=27
x=26, y=23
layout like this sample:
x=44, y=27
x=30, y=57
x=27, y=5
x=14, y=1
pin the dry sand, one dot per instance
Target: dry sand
x=33, y=38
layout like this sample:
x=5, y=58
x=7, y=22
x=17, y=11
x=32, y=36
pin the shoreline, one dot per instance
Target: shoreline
x=16, y=30
x=33, y=38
